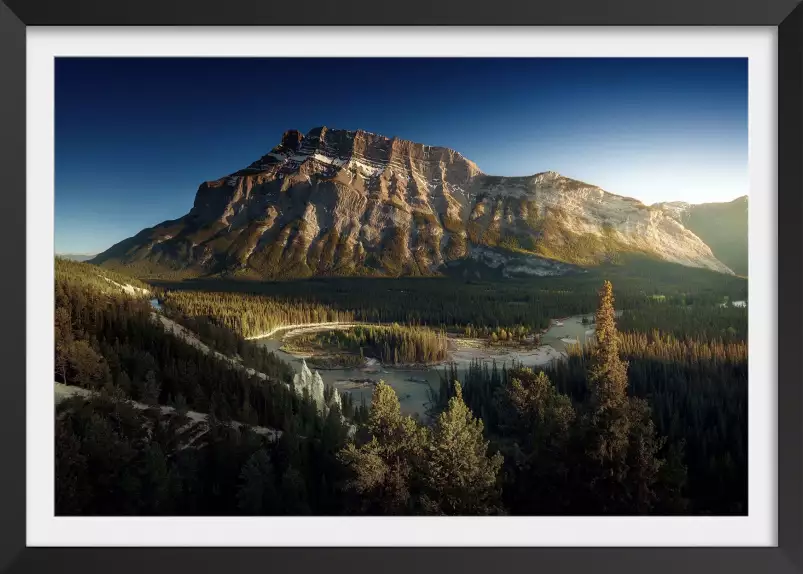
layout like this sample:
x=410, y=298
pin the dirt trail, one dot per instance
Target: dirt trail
x=66, y=391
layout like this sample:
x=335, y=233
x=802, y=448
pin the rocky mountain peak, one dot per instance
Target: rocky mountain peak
x=339, y=202
x=291, y=140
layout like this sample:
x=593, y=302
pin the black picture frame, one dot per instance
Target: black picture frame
x=786, y=15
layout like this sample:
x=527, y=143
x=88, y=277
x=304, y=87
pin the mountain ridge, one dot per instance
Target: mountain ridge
x=721, y=225
x=339, y=202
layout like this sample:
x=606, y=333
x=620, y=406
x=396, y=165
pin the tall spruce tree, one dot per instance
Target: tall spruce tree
x=460, y=478
x=624, y=470
x=607, y=375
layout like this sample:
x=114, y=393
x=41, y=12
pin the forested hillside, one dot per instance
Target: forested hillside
x=112, y=459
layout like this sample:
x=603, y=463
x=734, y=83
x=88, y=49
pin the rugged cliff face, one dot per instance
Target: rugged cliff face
x=335, y=202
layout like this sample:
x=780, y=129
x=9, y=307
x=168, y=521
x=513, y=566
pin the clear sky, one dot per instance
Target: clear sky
x=135, y=137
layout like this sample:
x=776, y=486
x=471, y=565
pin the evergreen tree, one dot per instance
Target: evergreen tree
x=85, y=367
x=123, y=382
x=607, y=375
x=618, y=434
x=150, y=389
x=180, y=404
x=63, y=341
x=534, y=409
x=257, y=492
x=460, y=478
x=293, y=494
x=381, y=468
x=156, y=482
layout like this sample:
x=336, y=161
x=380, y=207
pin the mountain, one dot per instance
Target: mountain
x=723, y=226
x=336, y=202
x=75, y=256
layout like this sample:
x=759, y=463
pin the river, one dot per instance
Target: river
x=414, y=395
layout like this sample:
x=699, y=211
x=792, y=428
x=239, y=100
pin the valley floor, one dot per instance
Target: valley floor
x=467, y=351
x=414, y=383
x=463, y=350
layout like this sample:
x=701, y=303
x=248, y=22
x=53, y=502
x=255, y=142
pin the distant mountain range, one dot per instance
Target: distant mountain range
x=723, y=227
x=76, y=256
x=336, y=202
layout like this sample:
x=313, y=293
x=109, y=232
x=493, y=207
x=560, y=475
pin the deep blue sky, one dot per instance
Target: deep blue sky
x=135, y=137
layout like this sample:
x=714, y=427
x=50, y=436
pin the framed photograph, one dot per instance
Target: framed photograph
x=344, y=286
